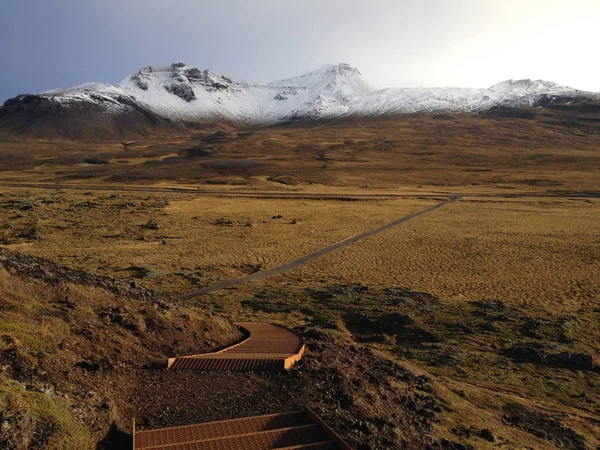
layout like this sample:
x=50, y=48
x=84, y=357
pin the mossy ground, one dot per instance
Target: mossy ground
x=55, y=427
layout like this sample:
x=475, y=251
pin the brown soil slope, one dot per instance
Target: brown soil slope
x=69, y=341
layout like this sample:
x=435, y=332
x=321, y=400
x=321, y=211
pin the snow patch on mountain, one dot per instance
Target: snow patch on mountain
x=184, y=92
x=332, y=79
x=111, y=98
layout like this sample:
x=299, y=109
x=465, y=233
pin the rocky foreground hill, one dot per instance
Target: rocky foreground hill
x=81, y=355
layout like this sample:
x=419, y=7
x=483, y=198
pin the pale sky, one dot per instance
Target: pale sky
x=46, y=44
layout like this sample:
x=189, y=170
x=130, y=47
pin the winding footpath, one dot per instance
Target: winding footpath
x=314, y=255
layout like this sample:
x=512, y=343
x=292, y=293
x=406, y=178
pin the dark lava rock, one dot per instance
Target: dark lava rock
x=30, y=233
x=543, y=426
x=581, y=361
x=487, y=435
x=531, y=327
x=151, y=225
x=17, y=430
x=494, y=305
x=574, y=360
x=224, y=222
x=93, y=364
x=527, y=354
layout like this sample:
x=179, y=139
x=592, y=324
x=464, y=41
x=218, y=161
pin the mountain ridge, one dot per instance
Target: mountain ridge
x=164, y=96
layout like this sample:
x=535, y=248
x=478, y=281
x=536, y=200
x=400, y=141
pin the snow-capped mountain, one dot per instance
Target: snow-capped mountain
x=181, y=92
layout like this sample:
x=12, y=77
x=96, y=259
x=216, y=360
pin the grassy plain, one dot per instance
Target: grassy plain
x=525, y=251
x=197, y=241
x=436, y=152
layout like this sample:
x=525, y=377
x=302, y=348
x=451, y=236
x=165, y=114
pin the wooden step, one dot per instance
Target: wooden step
x=296, y=430
x=262, y=440
x=267, y=348
x=220, y=429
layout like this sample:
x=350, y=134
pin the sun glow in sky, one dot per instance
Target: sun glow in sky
x=48, y=44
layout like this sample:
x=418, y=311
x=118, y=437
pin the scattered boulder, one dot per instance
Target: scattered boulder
x=93, y=365
x=143, y=271
x=32, y=233
x=125, y=205
x=249, y=269
x=526, y=354
x=224, y=222
x=574, y=360
x=581, y=361
x=151, y=225
x=487, y=434
x=161, y=203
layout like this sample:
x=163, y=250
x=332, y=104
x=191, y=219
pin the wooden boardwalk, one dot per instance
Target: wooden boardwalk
x=299, y=430
x=267, y=348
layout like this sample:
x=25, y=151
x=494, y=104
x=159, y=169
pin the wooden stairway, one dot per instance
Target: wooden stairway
x=267, y=348
x=298, y=430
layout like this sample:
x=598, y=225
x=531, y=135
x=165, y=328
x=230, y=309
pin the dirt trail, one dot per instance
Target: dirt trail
x=314, y=255
x=296, y=195
x=221, y=193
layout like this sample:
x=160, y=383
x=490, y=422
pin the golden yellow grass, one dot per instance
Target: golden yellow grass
x=217, y=237
x=543, y=251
